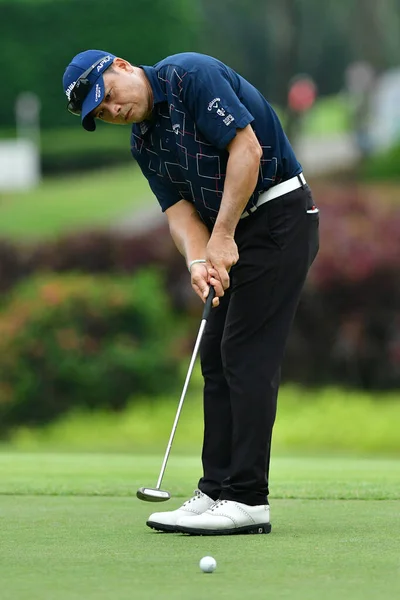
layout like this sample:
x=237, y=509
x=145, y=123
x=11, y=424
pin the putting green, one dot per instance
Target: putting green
x=71, y=528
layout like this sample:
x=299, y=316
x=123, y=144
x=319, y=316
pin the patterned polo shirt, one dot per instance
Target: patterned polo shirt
x=199, y=103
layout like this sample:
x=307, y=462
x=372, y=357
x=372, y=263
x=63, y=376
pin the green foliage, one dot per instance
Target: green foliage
x=42, y=37
x=266, y=40
x=84, y=341
x=383, y=166
x=322, y=420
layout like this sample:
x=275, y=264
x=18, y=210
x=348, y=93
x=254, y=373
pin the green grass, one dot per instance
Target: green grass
x=321, y=420
x=59, y=205
x=71, y=528
x=330, y=115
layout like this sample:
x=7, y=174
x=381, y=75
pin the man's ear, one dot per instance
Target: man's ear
x=122, y=65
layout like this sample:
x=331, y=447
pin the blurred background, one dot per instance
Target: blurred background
x=97, y=317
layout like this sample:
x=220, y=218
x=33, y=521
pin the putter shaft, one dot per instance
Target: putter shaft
x=178, y=412
x=156, y=494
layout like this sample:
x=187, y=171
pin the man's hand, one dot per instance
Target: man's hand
x=201, y=282
x=221, y=254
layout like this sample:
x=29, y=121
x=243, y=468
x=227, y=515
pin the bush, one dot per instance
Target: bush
x=347, y=328
x=84, y=341
x=95, y=252
x=12, y=267
x=383, y=165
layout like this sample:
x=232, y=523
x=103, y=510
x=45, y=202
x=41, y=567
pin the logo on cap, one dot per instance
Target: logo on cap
x=97, y=93
x=103, y=62
x=69, y=90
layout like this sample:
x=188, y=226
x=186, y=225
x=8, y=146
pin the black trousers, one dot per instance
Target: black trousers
x=243, y=345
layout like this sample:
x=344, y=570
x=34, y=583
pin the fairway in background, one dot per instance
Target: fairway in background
x=65, y=204
x=330, y=115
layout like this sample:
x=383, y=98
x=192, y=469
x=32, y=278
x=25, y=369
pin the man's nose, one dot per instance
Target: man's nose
x=115, y=109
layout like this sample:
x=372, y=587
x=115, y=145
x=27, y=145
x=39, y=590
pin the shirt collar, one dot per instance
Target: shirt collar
x=158, y=96
x=158, y=93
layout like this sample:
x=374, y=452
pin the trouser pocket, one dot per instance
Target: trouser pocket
x=313, y=234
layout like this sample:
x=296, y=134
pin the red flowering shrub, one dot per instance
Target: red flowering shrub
x=360, y=234
x=347, y=329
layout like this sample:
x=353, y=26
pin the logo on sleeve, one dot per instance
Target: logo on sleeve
x=228, y=120
x=213, y=105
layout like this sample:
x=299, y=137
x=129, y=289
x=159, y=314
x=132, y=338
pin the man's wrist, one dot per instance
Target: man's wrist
x=194, y=262
x=224, y=230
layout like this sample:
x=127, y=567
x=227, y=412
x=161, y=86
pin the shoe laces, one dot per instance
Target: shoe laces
x=196, y=495
x=217, y=504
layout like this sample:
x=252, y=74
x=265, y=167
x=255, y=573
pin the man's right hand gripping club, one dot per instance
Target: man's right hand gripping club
x=201, y=281
x=220, y=257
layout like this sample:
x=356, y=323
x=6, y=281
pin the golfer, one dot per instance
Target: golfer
x=242, y=215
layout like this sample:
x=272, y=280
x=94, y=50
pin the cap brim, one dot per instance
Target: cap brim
x=92, y=101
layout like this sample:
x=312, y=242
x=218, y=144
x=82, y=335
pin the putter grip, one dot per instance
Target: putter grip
x=208, y=304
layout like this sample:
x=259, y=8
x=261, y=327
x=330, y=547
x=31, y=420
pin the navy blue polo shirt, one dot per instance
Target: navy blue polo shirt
x=199, y=103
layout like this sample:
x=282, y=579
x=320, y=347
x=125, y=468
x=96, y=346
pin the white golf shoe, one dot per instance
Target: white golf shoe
x=227, y=517
x=195, y=506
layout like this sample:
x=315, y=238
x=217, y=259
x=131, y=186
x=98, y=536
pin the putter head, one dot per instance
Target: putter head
x=152, y=495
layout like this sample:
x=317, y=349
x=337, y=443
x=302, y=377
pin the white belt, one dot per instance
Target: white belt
x=277, y=190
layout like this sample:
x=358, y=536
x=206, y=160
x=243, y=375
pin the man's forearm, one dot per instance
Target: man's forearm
x=240, y=182
x=191, y=237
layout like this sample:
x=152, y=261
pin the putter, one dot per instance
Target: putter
x=156, y=494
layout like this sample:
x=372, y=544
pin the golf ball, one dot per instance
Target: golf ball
x=208, y=564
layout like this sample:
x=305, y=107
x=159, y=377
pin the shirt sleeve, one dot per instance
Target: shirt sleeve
x=210, y=98
x=165, y=192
